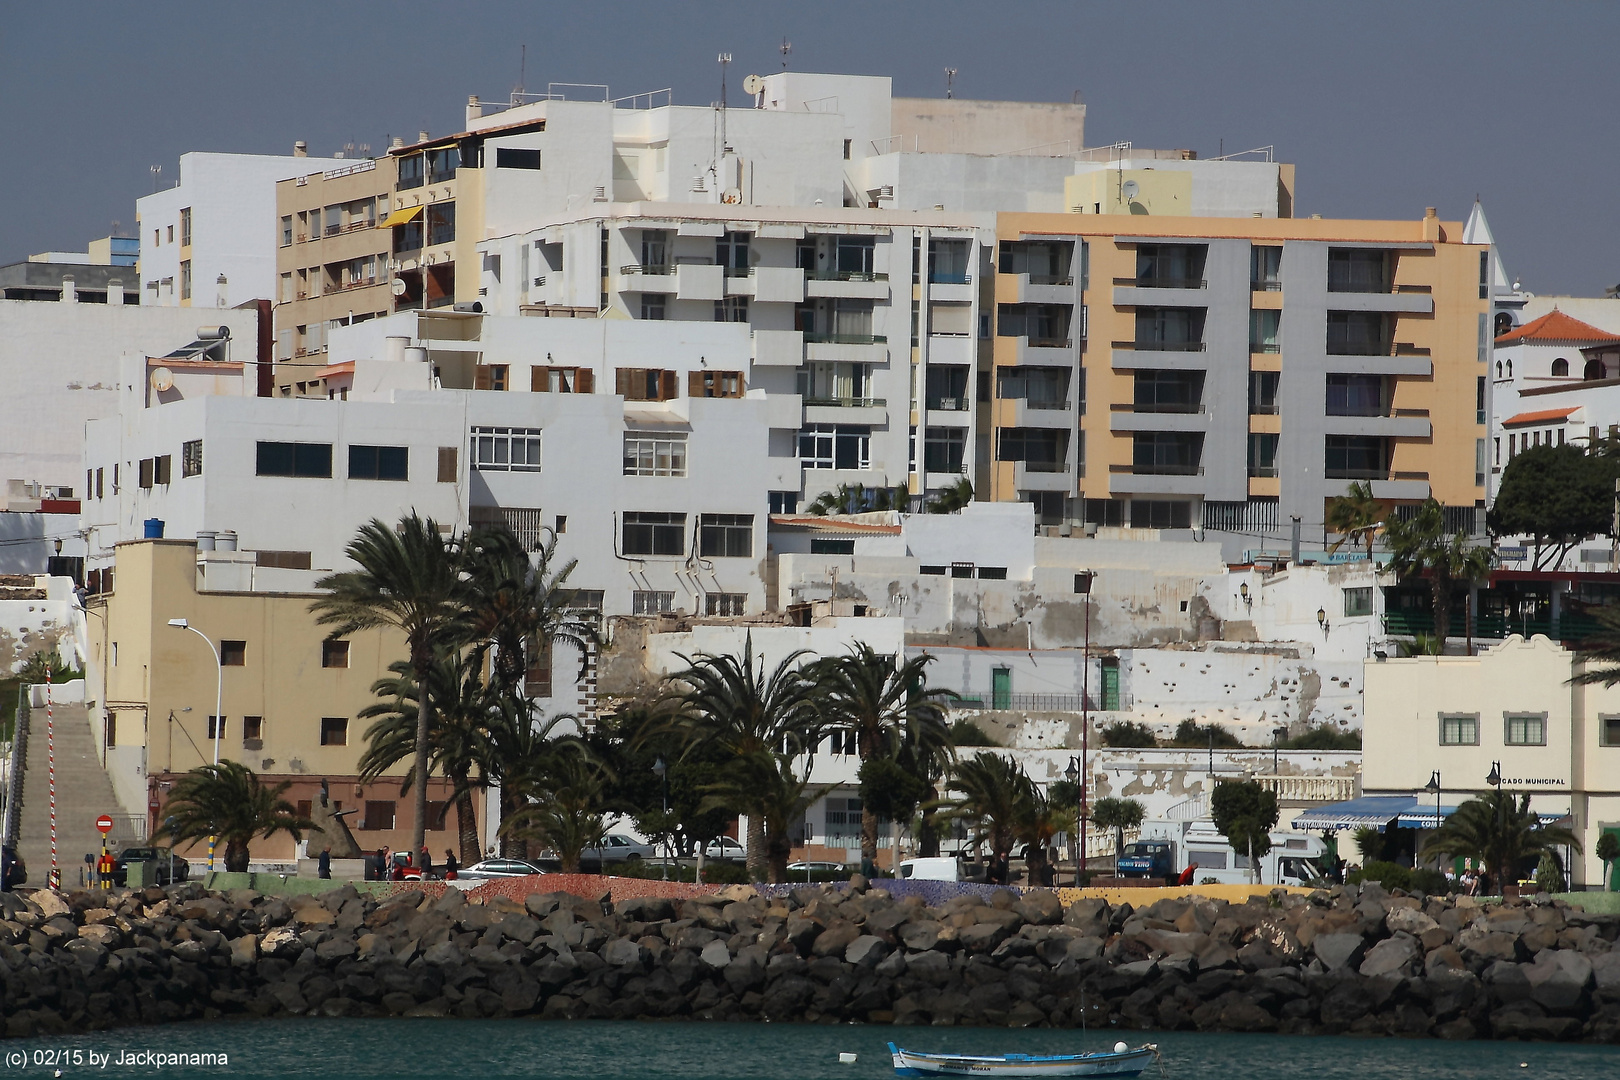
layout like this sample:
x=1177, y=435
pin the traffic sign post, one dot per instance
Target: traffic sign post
x=104, y=866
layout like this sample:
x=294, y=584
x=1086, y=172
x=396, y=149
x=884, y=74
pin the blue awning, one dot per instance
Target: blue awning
x=1374, y=811
x=1421, y=816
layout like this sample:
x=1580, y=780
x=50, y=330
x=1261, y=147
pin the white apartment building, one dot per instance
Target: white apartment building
x=209, y=241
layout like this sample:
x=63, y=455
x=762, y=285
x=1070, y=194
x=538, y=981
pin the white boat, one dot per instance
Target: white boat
x=1121, y=1061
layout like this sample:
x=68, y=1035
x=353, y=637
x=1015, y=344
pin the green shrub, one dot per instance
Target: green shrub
x=1389, y=875
x=1323, y=737
x=1549, y=875
x=1128, y=734
x=1193, y=734
x=969, y=733
x=1430, y=882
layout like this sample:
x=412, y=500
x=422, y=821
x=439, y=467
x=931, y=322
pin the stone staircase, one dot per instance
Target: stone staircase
x=83, y=792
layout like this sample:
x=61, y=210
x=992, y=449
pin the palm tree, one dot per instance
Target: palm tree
x=1420, y=546
x=460, y=703
x=1356, y=516
x=1501, y=831
x=860, y=499
x=409, y=579
x=1041, y=819
x=1119, y=815
x=517, y=608
x=951, y=499
x=228, y=801
x=1601, y=649
x=733, y=702
x=565, y=815
x=522, y=756
x=883, y=703
x=763, y=784
x=993, y=794
x=1608, y=850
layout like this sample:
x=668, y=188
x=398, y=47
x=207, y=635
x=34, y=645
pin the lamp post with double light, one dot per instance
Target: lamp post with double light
x=663, y=774
x=1082, y=585
x=219, y=699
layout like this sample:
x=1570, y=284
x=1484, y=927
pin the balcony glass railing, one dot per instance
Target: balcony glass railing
x=945, y=277
x=652, y=270
x=813, y=338
x=1050, y=342
x=1151, y=345
x=1155, y=282
x=845, y=275
x=1158, y=469
x=1265, y=286
x=848, y=402
x=948, y=404
x=1051, y=279
x=1045, y=466
x=1159, y=407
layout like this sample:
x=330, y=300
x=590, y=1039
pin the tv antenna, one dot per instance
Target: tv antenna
x=725, y=61
x=157, y=171
x=950, y=78
x=785, y=48
x=523, y=69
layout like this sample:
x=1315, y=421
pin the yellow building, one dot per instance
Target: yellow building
x=1231, y=373
x=1510, y=707
x=291, y=695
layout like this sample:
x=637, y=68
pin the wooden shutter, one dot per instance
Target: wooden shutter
x=694, y=384
x=160, y=469
x=480, y=377
x=447, y=464
x=585, y=381
x=621, y=383
x=667, y=386
x=539, y=380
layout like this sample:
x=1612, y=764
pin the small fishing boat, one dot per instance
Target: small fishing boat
x=1121, y=1061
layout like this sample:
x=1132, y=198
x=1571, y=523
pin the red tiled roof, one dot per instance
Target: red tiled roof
x=832, y=523
x=1542, y=417
x=1556, y=328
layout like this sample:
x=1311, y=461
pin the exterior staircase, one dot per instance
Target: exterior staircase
x=83, y=792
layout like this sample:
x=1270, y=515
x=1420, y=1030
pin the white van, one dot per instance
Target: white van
x=945, y=869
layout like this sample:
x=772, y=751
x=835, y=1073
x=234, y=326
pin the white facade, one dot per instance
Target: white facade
x=228, y=202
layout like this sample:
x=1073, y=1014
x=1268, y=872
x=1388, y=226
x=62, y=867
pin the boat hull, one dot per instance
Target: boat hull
x=910, y=1063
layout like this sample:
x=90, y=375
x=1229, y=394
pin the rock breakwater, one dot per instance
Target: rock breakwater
x=1349, y=960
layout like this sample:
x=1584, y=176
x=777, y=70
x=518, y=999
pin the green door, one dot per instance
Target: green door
x=1001, y=688
x=1110, y=686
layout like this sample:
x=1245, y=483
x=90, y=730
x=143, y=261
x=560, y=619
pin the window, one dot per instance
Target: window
x=1358, y=602
x=512, y=157
x=170, y=231
x=334, y=731
x=537, y=654
x=1525, y=729
x=644, y=384
x=855, y=256
x=835, y=446
x=503, y=449
x=233, y=653
x=185, y=226
x=491, y=376
x=282, y=560
x=1356, y=457
x=653, y=307
x=436, y=811
x=784, y=502
x=443, y=163
x=216, y=727
x=1357, y=270
x=310, y=460
x=1171, y=329
x=1355, y=395
x=826, y=546
x=561, y=380
x=441, y=223
x=1265, y=269
x=931, y=570
x=1160, y=514
x=1171, y=266
x=714, y=384
x=1169, y=391
x=654, y=534
x=1609, y=731
x=944, y=449
x=1357, y=333
x=731, y=252
x=286, y=231
x=992, y=573
x=146, y=473
x=836, y=383
x=1263, y=323
x=1263, y=392
x=650, y=602
x=185, y=280
x=731, y=309
x=726, y=536
x=252, y=731
x=379, y=815
x=1167, y=453
x=379, y=463
x=725, y=603
x=1459, y=729
x=1560, y=367
x=1040, y=449
x=649, y=453
x=447, y=465
x=410, y=171
x=161, y=469
x=1263, y=453
x=334, y=653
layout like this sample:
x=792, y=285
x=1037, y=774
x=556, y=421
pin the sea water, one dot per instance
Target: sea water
x=345, y=1049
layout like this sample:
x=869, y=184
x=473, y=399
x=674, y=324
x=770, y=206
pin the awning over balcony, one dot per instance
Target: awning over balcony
x=400, y=217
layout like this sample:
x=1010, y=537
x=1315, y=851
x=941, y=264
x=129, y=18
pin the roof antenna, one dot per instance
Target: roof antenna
x=785, y=48
x=725, y=60
x=950, y=77
x=523, y=72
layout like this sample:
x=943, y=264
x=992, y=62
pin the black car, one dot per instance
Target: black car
x=13, y=871
x=166, y=872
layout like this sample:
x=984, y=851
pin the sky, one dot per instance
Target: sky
x=1384, y=107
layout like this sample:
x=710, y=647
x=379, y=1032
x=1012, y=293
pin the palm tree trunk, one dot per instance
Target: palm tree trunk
x=423, y=662
x=756, y=847
x=236, y=856
x=513, y=847
x=1440, y=594
x=869, y=837
x=466, y=822
x=928, y=837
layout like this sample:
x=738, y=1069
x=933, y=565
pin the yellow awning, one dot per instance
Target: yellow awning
x=400, y=217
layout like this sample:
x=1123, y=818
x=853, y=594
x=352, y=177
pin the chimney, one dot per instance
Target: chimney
x=115, y=292
x=222, y=298
x=1431, y=224
x=421, y=136
x=70, y=293
x=474, y=109
x=396, y=142
x=300, y=149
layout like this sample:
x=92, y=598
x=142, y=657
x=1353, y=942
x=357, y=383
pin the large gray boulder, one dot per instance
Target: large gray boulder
x=1338, y=950
x=866, y=950
x=1392, y=955
x=1559, y=979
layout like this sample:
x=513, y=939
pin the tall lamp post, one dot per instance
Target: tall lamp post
x=219, y=698
x=1082, y=585
x=1495, y=777
x=1433, y=788
x=663, y=774
x=1073, y=775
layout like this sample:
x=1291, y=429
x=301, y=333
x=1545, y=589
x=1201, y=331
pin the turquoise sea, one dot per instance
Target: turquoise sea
x=483, y=1049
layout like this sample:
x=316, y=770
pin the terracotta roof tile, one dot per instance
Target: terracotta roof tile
x=1542, y=417
x=1556, y=328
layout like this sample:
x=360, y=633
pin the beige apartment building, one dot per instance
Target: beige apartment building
x=1511, y=707
x=291, y=695
x=1231, y=373
x=332, y=262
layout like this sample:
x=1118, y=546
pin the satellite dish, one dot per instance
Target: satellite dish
x=398, y=287
x=162, y=379
x=1131, y=189
x=753, y=84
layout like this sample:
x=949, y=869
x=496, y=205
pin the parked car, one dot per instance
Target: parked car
x=948, y=869
x=13, y=871
x=499, y=868
x=725, y=849
x=617, y=848
x=815, y=866
x=163, y=872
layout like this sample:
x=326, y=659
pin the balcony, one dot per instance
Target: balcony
x=1043, y=289
x=942, y=278
x=637, y=277
x=1160, y=346
x=1161, y=283
x=949, y=404
x=778, y=284
x=846, y=410
x=1043, y=352
x=847, y=402
x=778, y=348
x=811, y=338
x=1157, y=469
x=1310, y=789
x=699, y=281
x=1041, y=414
x=845, y=285
x=1265, y=286
x=952, y=349
x=1042, y=476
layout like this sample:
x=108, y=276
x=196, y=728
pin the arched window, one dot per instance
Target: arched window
x=1499, y=369
x=1510, y=369
x=1594, y=369
x=1560, y=367
x=1504, y=323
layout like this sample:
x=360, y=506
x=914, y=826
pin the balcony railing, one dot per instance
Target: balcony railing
x=1160, y=346
x=1051, y=279
x=1263, y=471
x=936, y=277
x=739, y=271
x=1051, y=343
x=845, y=275
x=948, y=404
x=1045, y=466
x=811, y=338
x=1381, y=411
x=1045, y=403
x=650, y=270
x=334, y=229
x=1162, y=282
x=989, y=699
x=1264, y=347
x=1158, y=470
x=1418, y=289
x=1265, y=286
x=1157, y=407
x=1309, y=789
x=848, y=402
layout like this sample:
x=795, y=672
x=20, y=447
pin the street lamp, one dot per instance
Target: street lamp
x=1495, y=777
x=1073, y=774
x=663, y=774
x=1082, y=585
x=219, y=716
x=1276, y=734
x=1433, y=788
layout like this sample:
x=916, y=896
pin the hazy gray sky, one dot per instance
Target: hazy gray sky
x=1385, y=107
